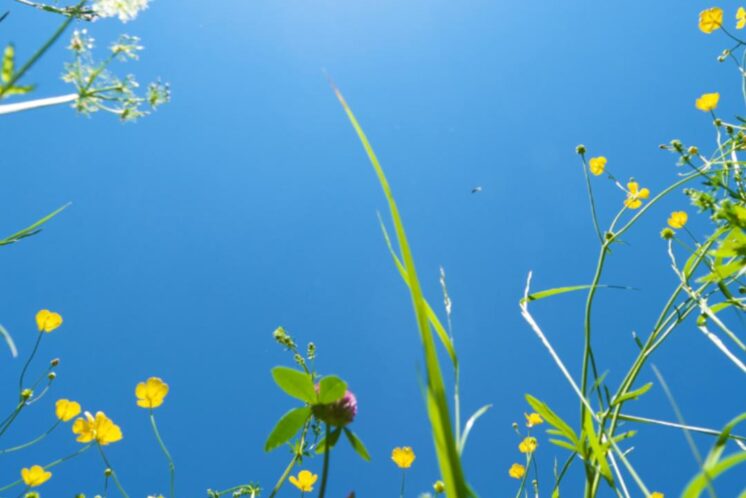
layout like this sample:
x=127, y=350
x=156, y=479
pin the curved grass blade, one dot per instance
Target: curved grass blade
x=469, y=425
x=9, y=341
x=437, y=404
x=32, y=229
x=572, y=288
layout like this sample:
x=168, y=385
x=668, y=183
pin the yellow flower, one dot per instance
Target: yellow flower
x=304, y=481
x=101, y=429
x=403, y=457
x=597, y=165
x=150, y=394
x=707, y=102
x=47, y=320
x=35, y=476
x=678, y=219
x=66, y=409
x=635, y=195
x=656, y=495
x=533, y=419
x=528, y=445
x=710, y=19
x=741, y=18
x=517, y=471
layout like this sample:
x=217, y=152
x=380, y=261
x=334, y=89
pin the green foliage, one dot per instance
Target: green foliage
x=295, y=383
x=287, y=427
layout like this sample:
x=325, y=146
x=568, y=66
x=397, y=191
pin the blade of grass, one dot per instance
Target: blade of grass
x=437, y=402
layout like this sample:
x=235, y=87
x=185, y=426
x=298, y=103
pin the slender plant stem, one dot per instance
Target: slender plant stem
x=48, y=466
x=171, y=466
x=113, y=472
x=37, y=104
x=403, y=482
x=296, y=457
x=28, y=361
x=39, y=53
x=325, y=470
x=32, y=442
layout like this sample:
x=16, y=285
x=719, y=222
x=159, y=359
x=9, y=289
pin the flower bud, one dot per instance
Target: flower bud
x=692, y=151
x=51, y=376
x=580, y=149
x=439, y=487
x=108, y=472
x=54, y=362
x=26, y=394
x=667, y=234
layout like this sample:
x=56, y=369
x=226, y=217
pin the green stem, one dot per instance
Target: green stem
x=50, y=465
x=39, y=53
x=403, y=481
x=296, y=457
x=113, y=473
x=171, y=466
x=28, y=361
x=32, y=442
x=325, y=470
x=592, y=200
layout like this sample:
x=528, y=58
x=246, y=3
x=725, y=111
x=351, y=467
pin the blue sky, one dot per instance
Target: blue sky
x=248, y=203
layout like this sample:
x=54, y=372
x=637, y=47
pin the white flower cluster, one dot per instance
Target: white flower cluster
x=126, y=10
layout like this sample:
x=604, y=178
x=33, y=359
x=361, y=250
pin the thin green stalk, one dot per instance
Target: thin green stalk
x=9, y=420
x=28, y=361
x=592, y=200
x=403, y=481
x=325, y=470
x=82, y=450
x=33, y=441
x=171, y=466
x=564, y=470
x=39, y=53
x=296, y=457
x=113, y=472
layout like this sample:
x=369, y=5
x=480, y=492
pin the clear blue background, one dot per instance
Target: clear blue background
x=248, y=203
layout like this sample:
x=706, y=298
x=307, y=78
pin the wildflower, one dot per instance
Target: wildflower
x=710, y=19
x=597, y=165
x=47, y=320
x=528, y=445
x=678, y=219
x=740, y=18
x=656, y=495
x=439, y=487
x=635, y=195
x=339, y=413
x=126, y=47
x=126, y=10
x=533, y=419
x=66, y=410
x=517, y=471
x=81, y=41
x=707, y=102
x=35, y=476
x=101, y=429
x=403, y=457
x=667, y=234
x=150, y=394
x=304, y=481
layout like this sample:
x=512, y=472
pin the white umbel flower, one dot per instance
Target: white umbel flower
x=126, y=10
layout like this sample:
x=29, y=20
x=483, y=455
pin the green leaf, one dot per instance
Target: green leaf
x=333, y=438
x=721, y=272
x=8, y=63
x=561, y=290
x=469, y=425
x=596, y=449
x=563, y=444
x=287, y=427
x=554, y=420
x=632, y=394
x=32, y=229
x=357, y=445
x=295, y=383
x=722, y=440
x=449, y=460
x=331, y=389
x=698, y=484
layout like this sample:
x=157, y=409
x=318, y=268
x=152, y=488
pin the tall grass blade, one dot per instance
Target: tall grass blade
x=446, y=448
